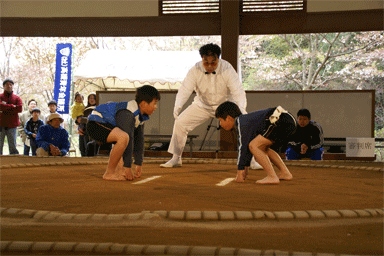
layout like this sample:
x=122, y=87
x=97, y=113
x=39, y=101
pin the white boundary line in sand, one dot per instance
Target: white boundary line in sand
x=146, y=180
x=225, y=182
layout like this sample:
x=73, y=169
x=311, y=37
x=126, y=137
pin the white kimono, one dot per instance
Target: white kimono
x=211, y=90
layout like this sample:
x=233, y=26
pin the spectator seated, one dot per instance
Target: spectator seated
x=52, y=140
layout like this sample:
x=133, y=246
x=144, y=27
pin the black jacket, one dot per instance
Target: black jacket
x=310, y=135
x=32, y=127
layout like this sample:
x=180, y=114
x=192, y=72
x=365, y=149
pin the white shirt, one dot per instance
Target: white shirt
x=212, y=89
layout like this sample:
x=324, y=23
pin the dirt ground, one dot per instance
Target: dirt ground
x=81, y=189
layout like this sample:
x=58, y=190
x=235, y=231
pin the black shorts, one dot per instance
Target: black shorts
x=99, y=131
x=281, y=130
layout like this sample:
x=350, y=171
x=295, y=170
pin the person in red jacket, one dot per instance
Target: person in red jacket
x=10, y=106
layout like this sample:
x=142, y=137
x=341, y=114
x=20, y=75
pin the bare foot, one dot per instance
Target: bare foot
x=129, y=174
x=120, y=170
x=138, y=171
x=113, y=176
x=285, y=176
x=245, y=173
x=240, y=176
x=269, y=180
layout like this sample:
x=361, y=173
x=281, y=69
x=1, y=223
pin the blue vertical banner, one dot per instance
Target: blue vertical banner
x=62, y=90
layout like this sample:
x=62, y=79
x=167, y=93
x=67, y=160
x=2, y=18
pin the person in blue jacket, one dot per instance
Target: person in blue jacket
x=308, y=139
x=31, y=128
x=122, y=123
x=257, y=132
x=52, y=139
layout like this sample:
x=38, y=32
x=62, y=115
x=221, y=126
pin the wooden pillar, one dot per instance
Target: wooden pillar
x=230, y=26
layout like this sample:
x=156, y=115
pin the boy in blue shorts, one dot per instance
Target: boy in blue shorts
x=308, y=139
x=122, y=123
x=257, y=132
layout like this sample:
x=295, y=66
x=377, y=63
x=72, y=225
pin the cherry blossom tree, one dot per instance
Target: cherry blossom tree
x=312, y=61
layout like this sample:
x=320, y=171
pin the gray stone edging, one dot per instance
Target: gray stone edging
x=301, y=164
x=191, y=215
x=136, y=249
x=153, y=160
x=95, y=160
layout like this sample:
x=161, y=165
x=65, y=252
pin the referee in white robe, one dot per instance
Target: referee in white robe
x=215, y=81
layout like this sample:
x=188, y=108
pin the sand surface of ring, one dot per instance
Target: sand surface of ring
x=80, y=189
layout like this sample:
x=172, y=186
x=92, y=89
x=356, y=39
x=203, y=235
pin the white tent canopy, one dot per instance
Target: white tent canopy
x=124, y=70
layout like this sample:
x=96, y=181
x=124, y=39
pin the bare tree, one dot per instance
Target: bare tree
x=8, y=45
x=318, y=52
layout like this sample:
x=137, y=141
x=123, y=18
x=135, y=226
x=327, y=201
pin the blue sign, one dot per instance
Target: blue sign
x=63, y=77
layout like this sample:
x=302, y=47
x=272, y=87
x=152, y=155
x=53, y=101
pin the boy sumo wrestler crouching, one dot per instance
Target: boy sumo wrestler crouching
x=257, y=132
x=122, y=123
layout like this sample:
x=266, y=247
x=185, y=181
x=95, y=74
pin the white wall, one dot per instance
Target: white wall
x=345, y=114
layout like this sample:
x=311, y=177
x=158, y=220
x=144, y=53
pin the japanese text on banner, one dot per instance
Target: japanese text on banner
x=63, y=77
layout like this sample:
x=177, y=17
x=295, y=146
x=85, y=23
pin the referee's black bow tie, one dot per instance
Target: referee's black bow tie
x=214, y=72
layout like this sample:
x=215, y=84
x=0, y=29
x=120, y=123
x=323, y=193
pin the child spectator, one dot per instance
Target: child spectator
x=257, y=132
x=77, y=112
x=77, y=109
x=122, y=123
x=308, y=139
x=31, y=128
x=52, y=105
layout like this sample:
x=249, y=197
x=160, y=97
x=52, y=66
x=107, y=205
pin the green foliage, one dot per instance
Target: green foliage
x=379, y=64
x=379, y=133
x=275, y=47
x=337, y=66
